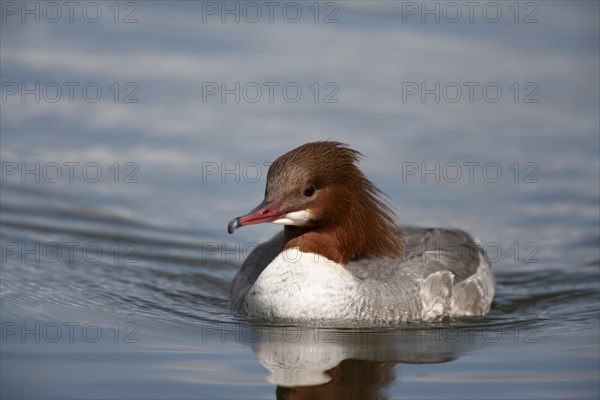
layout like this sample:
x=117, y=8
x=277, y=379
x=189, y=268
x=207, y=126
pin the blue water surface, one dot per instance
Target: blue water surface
x=132, y=132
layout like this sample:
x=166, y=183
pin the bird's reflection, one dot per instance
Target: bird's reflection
x=350, y=379
x=317, y=363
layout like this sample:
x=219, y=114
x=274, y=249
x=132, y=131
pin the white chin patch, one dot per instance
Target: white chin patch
x=296, y=218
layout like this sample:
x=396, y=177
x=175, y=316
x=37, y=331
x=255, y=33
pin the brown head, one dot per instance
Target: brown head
x=327, y=205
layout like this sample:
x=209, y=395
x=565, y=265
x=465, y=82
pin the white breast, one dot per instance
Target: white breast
x=301, y=286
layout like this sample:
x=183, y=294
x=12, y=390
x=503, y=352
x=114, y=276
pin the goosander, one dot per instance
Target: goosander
x=342, y=258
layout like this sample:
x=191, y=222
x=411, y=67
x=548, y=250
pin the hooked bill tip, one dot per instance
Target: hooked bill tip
x=233, y=225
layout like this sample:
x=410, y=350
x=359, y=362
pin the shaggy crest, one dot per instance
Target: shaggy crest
x=361, y=224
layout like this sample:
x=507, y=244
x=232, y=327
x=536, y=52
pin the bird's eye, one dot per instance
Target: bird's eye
x=309, y=191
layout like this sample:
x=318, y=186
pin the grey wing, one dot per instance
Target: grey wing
x=452, y=263
x=427, y=250
x=453, y=249
x=446, y=268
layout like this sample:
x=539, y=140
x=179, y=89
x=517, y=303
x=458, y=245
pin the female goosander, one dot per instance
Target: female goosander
x=342, y=259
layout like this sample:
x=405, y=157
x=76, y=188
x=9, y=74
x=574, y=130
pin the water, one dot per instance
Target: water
x=116, y=263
